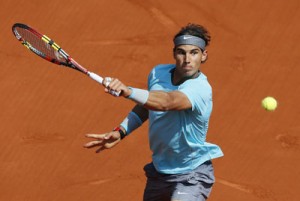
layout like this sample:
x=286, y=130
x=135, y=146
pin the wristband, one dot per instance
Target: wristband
x=131, y=122
x=139, y=96
x=122, y=134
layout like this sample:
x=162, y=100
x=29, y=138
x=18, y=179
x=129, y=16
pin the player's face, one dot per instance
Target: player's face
x=188, y=60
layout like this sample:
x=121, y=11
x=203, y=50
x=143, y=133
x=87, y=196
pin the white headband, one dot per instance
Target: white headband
x=190, y=40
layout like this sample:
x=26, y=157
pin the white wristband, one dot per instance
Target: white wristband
x=139, y=96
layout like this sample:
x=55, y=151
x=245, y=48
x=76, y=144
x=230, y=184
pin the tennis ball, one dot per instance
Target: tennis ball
x=269, y=103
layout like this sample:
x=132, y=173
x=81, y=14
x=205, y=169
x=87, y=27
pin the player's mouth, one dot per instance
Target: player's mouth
x=187, y=67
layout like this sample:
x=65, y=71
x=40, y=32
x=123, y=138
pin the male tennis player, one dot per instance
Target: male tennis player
x=178, y=104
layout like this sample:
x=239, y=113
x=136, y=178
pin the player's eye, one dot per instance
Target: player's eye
x=181, y=52
x=194, y=52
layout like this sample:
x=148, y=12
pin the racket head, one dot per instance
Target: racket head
x=44, y=47
x=39, y=44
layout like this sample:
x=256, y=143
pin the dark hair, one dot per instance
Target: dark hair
x=195, y=30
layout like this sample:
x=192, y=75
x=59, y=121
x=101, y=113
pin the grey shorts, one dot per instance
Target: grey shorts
x=193, y=186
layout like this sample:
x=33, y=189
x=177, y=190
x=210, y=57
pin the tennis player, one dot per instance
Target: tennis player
x=178, y=104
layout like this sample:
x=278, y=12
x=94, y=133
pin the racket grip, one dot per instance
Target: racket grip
x=99, y=79
x=95, y=77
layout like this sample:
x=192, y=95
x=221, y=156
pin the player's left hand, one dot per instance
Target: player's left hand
x=103, y=141
x=113, y=85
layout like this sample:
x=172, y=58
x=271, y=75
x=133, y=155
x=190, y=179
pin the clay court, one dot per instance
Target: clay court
x=46, y=110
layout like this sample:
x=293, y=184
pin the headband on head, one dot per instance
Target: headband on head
x=190, y=40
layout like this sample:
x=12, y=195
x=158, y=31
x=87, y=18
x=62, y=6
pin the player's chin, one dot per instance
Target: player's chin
x=189, y=73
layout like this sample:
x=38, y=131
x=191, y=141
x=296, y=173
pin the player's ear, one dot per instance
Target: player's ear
x=174, y=49
x=204, y=56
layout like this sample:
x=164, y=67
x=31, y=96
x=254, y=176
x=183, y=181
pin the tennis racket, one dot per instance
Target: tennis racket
x=47, y=49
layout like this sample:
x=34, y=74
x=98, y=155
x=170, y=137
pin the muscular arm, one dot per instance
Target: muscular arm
x=157, y=100
x=164, y=101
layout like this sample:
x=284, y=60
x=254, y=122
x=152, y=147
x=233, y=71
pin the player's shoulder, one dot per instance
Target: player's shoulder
x=163, y=67
x=161, y=72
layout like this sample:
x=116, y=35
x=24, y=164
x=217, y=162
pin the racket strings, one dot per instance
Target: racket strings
x=40, y=47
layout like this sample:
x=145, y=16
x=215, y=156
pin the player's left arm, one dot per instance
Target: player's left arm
x=164, y=101
x=153, y=100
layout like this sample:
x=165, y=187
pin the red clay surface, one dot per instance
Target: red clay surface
x=47, y=110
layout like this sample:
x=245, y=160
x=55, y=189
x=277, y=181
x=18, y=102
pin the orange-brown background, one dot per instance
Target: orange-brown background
x=46, y=110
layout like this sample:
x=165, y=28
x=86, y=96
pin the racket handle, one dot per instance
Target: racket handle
x=99, y=79
x=95, y=77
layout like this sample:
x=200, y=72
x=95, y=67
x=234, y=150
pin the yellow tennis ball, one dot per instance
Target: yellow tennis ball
x=269, y=103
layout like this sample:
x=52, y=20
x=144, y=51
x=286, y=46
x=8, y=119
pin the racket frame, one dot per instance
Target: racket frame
x=70, y=62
